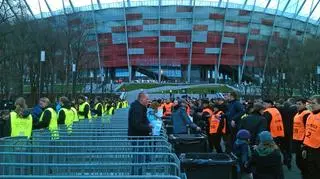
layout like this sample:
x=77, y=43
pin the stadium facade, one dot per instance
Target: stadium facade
x=189, y=40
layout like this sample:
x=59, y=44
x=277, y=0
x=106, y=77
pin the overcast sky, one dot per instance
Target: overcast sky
x=309, y=4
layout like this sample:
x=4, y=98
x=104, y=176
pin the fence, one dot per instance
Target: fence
x=94, y=149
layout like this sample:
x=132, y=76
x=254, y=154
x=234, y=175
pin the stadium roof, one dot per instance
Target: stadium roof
x=305, y=10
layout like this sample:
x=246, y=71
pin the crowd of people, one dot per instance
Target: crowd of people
x=262, y=133
x=21, y=120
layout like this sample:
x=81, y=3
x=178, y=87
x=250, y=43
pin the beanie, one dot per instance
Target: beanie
x=243, y=134
x=265, y=136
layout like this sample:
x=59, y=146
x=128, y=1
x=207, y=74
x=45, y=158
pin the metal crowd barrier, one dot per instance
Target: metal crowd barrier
x=95, y=177
x=105, y=169
x=82, y=149
x=96, y=148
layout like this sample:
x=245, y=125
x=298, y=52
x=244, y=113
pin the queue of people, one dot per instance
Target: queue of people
x=262, y=133
x=47, y=115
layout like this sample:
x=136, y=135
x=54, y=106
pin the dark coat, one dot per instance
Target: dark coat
x=138, y=124
x=266, y=167
x=235, y=111
x=254, y=123
x=180, y=120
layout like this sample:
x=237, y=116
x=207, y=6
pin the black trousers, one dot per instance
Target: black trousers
x=300, y=162
x=229, y=138
x=287, y=156
x=215, y=141
x=312, y=164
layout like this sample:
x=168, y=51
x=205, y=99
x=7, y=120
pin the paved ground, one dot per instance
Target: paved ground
x=294, y=173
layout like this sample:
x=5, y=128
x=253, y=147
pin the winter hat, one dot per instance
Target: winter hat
x=243, y=134
x=265, y=136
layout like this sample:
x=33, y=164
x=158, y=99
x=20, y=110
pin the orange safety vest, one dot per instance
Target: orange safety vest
x=168, y=109
x=208, y=111
x=215, y=122
x=276, y=125
x=298, y=125
x=188, y=110
x=312, y=135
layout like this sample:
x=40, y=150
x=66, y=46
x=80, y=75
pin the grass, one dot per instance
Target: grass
x=131, y=87
x=201, y=90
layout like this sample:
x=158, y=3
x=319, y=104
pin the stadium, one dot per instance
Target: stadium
x=183, y=40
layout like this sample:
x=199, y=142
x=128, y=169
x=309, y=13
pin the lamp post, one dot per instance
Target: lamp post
x=161, y=72
x=91, y=78
x=42, y=60
x=73, y=78
x=318, y=78
x=284, y=84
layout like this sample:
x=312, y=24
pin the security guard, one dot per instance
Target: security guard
x=119, y=105
x=48, y=118
x=106, y=106
x=20, y=120
x=111, y=109
x=275, y=126
x=299, y=125
x=217, y=128
x=98, y=108
x=311, y=142
x=274, y=119
x=205, y=116
x=66, y=115
x=168, y=108
x=75, y=113
x=84, y=108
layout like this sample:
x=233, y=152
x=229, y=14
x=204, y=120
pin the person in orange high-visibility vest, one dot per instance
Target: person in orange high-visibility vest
x=275, y=126
x=167, y=108
x=206, y=114
x=311, y=142
x=217, y=127
x=274, y=119
x=299, y=125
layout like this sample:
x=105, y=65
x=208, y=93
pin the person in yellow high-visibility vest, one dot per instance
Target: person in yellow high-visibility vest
x=48, y=118
x=98, y=107
x=111, y=109
x=106, y=107
x=20, y=120
x=66, y=115
x=74, y=110
x=119, y=105
x=84, y=108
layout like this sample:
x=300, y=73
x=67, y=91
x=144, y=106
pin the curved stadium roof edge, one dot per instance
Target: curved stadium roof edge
x=304, y=10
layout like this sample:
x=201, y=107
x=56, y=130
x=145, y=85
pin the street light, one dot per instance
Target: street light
x=91, y=78
x=42, y=60
x=161, y=72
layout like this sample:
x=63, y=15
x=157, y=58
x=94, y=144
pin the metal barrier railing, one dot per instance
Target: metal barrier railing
x=95, y=148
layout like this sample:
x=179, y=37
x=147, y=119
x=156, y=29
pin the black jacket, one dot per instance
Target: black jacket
x=62, y=115
x=254, y=123
x=266, y=167
x=98, y=112
x=85, y=111
x=45, y=120
x=138, y=124
x=288, y=112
